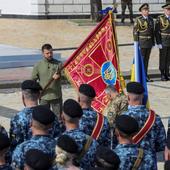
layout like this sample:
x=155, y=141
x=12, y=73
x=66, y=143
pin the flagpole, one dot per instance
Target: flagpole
x=112, y=20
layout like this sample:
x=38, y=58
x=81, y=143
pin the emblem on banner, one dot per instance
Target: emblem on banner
x=88, y=70
x=109, y=73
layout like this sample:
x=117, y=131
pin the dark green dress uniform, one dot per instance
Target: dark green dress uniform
x=128, y=3
x=43, y=72
x=144, y=33
x=162, y=33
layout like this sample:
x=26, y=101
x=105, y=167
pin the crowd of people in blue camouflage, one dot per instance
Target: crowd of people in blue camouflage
x=51, y=135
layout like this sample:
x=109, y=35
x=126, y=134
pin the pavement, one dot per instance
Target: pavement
x=29, y=35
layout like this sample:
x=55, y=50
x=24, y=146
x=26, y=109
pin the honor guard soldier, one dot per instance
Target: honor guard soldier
x=88, y=121
x=131, y=157
x=162, y=33
x=36, y=159
x=4, y=148
x=87, y=146
x=151, y=135
x=42, y=119
x=143, y=32
x=128, y=3
x=20, y=124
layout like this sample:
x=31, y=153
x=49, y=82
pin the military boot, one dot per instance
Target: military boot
x=163, y=78
x=166, y=75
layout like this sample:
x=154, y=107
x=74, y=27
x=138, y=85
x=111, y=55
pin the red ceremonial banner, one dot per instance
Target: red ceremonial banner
x=96, y=63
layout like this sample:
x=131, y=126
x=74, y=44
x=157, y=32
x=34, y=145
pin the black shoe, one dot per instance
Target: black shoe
x=163, y=78
x=167, y=78
x=131, y=21
x=123, y=21
x=149, y=80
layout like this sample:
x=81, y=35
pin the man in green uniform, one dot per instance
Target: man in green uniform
x=162, y=33
x=128, y=3
x=144, y=33
x=118, y=104
x=43, y=71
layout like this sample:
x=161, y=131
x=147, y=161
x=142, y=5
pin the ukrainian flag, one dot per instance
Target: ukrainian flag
x=138, y=71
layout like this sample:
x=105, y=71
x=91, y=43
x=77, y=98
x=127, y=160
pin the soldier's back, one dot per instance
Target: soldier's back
x=155, y=139
x=81, y=138
x=87, y=125
x=128, y=154
x=41, y=142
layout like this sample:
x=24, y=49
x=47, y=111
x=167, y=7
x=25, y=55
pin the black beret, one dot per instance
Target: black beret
x=4, y=141
x=135, y=87
x=144, y=6
x=167, y=165
x=98, y=168
x=31, y=84
x=166, y=6
x=38, y=160
x=87, y=90
x=110, y=157
x=126, y=124
x=72, y=108
x=68, y=144
x=43, y=115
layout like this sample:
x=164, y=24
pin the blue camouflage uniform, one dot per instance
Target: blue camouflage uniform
x=20, y=127
x=41, y=142
x=155, y=139
x=128, y=154
x=81, y=138
x=5, y=167
x=88, y=122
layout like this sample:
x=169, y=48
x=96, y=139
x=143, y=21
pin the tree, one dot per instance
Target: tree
x=96, y=6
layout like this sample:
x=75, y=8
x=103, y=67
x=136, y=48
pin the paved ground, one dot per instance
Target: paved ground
x=64, y=33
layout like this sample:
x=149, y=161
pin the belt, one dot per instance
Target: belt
x=165, y=33
x=144, y=37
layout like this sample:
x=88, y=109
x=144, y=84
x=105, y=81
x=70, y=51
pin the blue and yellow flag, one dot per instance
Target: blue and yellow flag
x=138, y=71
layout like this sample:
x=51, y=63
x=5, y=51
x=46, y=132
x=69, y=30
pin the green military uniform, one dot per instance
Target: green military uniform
x=43, y=72
x=144, y=33
x=162, y=33
x=128, y=3
x=117, y=105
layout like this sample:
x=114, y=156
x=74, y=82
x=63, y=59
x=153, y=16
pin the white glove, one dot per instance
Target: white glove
x=159, y=46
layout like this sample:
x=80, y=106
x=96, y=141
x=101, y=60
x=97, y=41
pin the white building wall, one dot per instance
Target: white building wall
x=65, y=7
x=18, y=7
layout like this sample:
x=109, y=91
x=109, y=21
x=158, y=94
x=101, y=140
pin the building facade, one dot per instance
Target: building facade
x=63, y=8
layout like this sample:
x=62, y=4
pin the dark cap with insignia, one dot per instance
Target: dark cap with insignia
x=38, y=160
x=126, y=124
x=135, y=88
x=4, y=141
x=68, y=144
x=107, y=158
x=166, y=6
x=31, y=84
x=144, y=6
x=43, y=115
x=87, y=90
x=72, y=108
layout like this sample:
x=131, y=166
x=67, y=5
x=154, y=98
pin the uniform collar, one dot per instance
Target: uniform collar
x=145, y=17
x=126, y=146
x=136, y=107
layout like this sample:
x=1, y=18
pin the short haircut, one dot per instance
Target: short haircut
x=135, y=97
x=70, y=119
x=40, y=126
x=47, y=47
x=110, y=88
x=31, y=94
